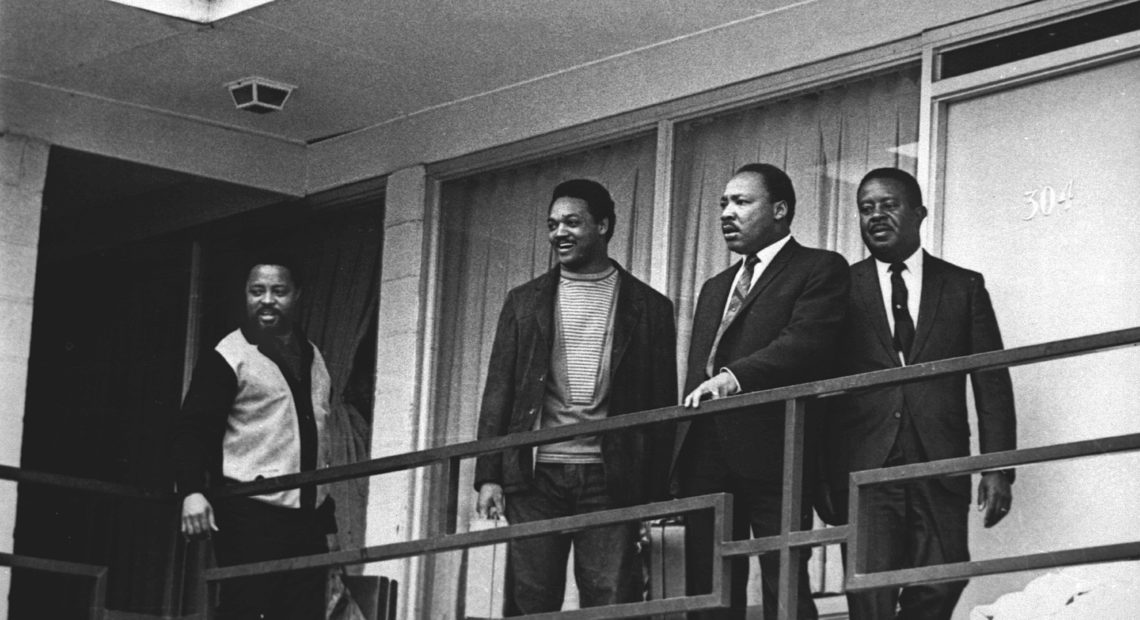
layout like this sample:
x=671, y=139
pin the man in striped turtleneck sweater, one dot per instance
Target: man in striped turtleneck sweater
x=582, y=342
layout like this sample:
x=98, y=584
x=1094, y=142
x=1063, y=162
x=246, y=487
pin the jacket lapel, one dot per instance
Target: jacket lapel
x=545, y=289
x=933, y=279
x=782, y=259
x=867, y=292
x=630, y=305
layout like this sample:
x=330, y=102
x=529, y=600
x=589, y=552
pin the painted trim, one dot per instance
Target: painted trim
x=662, y=208
x=419, y=597
x=938, y=95
x=754, y=92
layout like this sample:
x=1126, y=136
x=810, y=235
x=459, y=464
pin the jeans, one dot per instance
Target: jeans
x=607, y=569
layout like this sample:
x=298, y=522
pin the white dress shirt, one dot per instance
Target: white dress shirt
x=765, y=257
x=912, y=278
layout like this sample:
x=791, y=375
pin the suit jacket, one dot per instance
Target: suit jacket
x=643, y=366
x=785, y=333
x=955, y=318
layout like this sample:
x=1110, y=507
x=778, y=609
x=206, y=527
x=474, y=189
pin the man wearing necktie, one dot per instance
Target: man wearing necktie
x=907, y=307
x=770, y=320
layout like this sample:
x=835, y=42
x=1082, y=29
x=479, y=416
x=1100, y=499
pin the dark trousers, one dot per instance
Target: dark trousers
x=756, y=508
x=607, y=569
x=252, y=531
x=913, y=524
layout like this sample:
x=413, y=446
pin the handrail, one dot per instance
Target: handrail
x=789, y=543
x=89, y=485
x=857, y=578
x=467, y=449
x=816, y=389
x=720, y=504
x=97, y=573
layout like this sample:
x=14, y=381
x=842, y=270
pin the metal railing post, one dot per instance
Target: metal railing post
x=447, y=521
x=722, y=564
x=791, y=506
x=98, y=595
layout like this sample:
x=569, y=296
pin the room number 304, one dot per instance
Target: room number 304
x=1045, y=200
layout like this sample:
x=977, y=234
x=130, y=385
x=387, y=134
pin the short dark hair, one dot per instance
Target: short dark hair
x=904, y=178
x=281, y=259
x=777, y=183
x=594, y=194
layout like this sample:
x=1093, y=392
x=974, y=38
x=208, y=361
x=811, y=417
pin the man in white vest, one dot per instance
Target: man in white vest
x=257, y=408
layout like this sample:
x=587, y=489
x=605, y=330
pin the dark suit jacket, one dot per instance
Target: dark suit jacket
x=785, y=333
x=644, y=376
x=955, y=318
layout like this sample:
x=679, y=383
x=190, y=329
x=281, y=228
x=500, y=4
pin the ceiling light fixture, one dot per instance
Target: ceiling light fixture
x=259, y=95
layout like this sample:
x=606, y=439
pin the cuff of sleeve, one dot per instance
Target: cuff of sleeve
x=735, y=381
x=1008, y=473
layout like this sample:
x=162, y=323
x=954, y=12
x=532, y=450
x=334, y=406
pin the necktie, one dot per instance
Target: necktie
x=739, y=292
x=904, y=325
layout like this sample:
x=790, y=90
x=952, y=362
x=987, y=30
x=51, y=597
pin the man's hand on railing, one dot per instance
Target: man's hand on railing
x=721, y=385
x=491, y=503
x=995, y=496
x=197, y=516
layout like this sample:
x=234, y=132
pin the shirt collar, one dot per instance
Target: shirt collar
x=768, y=253
x=913, y=264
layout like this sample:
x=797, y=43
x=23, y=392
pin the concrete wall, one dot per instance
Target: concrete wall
x=402, y=351
x=23, y=166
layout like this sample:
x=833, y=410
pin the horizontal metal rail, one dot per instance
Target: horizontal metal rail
x=720, y=504
x=469, y=449
x=789, y=543
x=857, y=578
x=829, y=387
x=98, y=575
x=87, y=485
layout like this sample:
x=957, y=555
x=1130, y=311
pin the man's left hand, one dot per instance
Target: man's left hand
x=994, y=497
x=721, y=385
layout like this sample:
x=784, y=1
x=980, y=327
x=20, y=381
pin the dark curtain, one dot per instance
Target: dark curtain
x=104, y=380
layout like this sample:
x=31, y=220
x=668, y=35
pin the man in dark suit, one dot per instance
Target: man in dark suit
x=907, y=307
x=770, y=320
x=582, y=342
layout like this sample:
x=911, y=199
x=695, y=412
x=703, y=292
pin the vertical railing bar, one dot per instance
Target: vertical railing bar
x=790, y=508
x=449, y=521
x=208, y=612
x=98, y=595
x=856, y=563
x=722, y=565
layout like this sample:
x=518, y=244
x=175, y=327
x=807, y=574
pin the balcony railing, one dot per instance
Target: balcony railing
x=788, y=543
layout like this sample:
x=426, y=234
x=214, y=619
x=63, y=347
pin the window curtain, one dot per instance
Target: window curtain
x=341, y=295
x=494, y=238
x=826, y=141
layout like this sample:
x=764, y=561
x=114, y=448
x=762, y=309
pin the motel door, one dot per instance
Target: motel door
x=1037, y=185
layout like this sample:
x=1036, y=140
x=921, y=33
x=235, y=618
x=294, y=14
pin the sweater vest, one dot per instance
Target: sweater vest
x=262, y=438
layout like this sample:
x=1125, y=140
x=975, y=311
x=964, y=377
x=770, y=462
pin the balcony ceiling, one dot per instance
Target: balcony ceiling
x=357, y=63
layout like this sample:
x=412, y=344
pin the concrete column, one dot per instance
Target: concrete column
x=394, y=501
x=23, y=166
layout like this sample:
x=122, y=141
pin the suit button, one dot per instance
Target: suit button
x=898, y=415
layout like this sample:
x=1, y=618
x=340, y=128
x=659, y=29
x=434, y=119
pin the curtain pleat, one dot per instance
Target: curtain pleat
x=341, y=293
x=826, y=141
x=493, y=239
